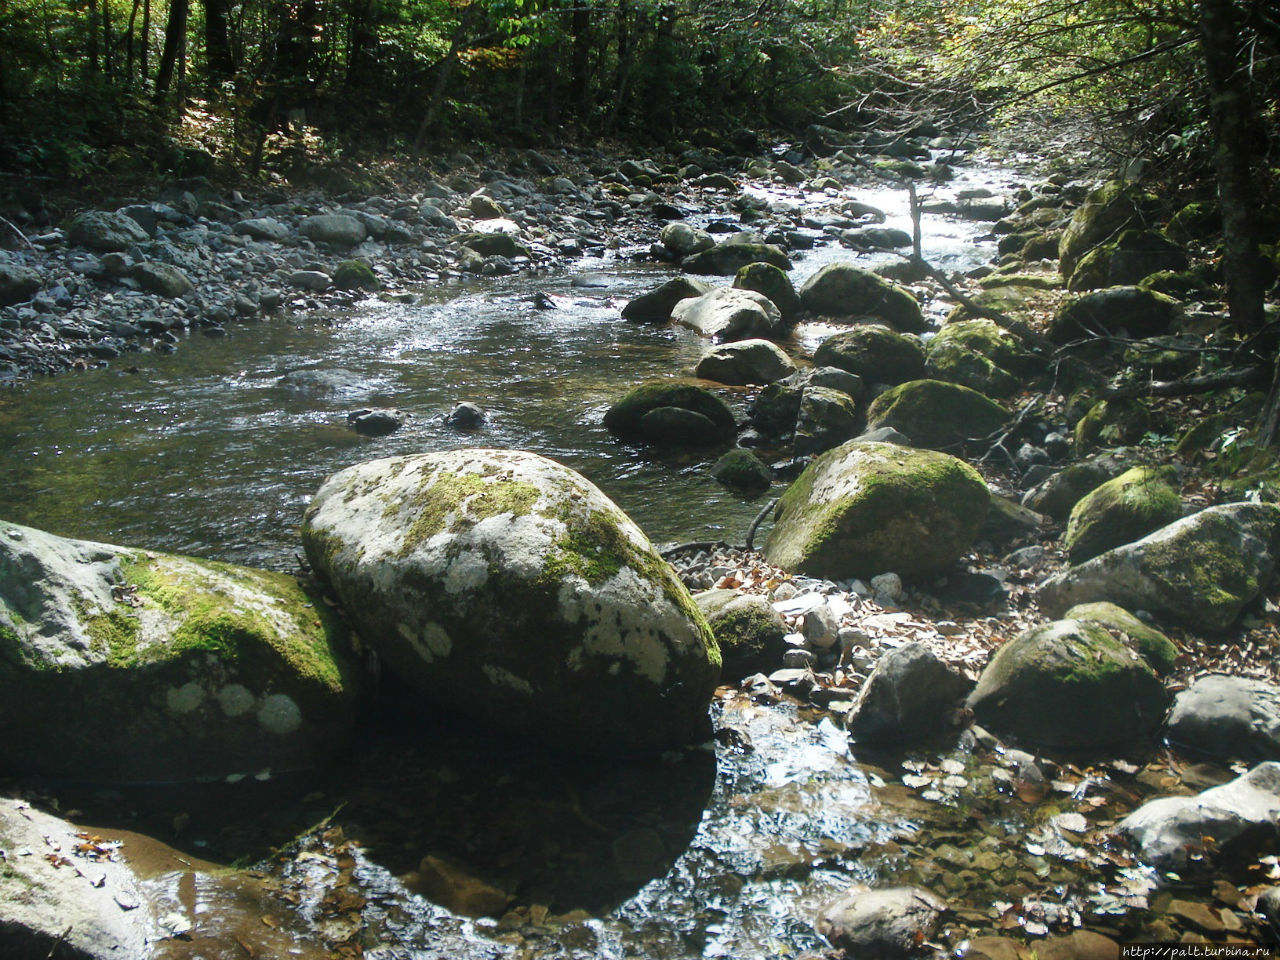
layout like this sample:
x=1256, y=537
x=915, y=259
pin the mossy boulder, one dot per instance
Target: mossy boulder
x=744, y=362
x=1124, y=509
x=126, y=665
x=683, y=240
x=18, y=283
x=1000, y=346
x=1112, y=423
x=1199, y=572
x=956, y=363
x=774, y=411
x=866, y=508
x=1057, y=494
x=846, y=290
x=1105, y=212
x=625, y=417
x=768, y=279
x=355, y=275
x=1129, y=259
x=1137, y=311
x=935, y=414
x=1148, y=642
x=826, y=418
x=875, y=353
x=656, y=305
x=507, y=588
x=750, y=633
x=678, y=427
x=725, y=315
x=727, y=258
x=1069, y=685
x=740, y=469
x=105, y=232
x=1196, y=221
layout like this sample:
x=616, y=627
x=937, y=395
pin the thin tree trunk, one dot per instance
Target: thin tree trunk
x=175, y=33
x=437, y=93
x=95, y=61
x=146, y=39
x=108, y=64
x=217, y=42
x=129, y=57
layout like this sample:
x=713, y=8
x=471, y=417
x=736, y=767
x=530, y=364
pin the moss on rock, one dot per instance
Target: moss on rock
x=846, y=290
x=1112, y=423
x=875, y=353
x=624, y=417
x=1124, y=509
x=935, y=414
x=1148, y=642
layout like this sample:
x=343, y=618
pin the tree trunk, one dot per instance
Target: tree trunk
x=437, y=93
x=175, y=33
x=217, y=40
x=108, y=65
x=129, y=53
x=145, y=59
x=95, y=62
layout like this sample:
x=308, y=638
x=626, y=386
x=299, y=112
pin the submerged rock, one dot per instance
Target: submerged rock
x=886, y=924
x=506, y=587
x=124, y=664
x=864, y=508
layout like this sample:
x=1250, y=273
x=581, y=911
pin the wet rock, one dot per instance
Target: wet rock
x=727, y=315
x=263, y=228
x=325, y=382
x=466, y=416
x=845, y=290
x=458, y=890
x=188, y=668
x=935, y=414
x=875, y=238
x=1079, y=945
x=678, y=427
x=624, y=417
x=90, y=909
x=726, y=258
x=1200, y=571
x=376, y=423
x=1239, y=816
x=1227, y=718
x=911, y=695
x=17, y=283
x=825, y=419
x=161, y=279
x=1070, y=685
x=1146, y=641
x=505, y=587
x=885, y=924
x=683, y=240
x=864, y=508
x=751, y=634
x=656, y=306
x=494, y=245
x=874, y=353
x=767, y=279
x=314, y=280
x=105, y=232
x=336, y=229
x=744, y=362
x=355, y=275
x=1122, y=510
x=742, y=470
x=1104, y=213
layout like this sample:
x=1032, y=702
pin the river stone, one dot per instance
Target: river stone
x=864, y=508
x=1241, y=816
x=1199, y=571
x=1008, y=522
x=1136, y=311
x=1069, y=685
x=656, y=305
x=1056, y=495
x=889, y=924
x=17, y=284
x=935, y=414
x=54, y=903
x=337, y=229
x=1123, y=509
x=355, y=275
x=874, y=353
x=727, y=258
x=1148, y=642
x=742, y=470
x=684, y=240
x=875, y=238
x=263, y=228
x=845, y=290
x=507, y=588
x=315, y=280
x=624, y=417
x=767, y=279
x=726, y=314
x=375, y=423
x=105, y=232
x=956, y=363
x=161, y=279
x=774, y=410
x=187, y=668
x=1228, y=718
x=744, y=362
x=1104, y=213
x=911, y=695
x=825, y=419
x=751, y=633
x=678, y=427
x=991, y=340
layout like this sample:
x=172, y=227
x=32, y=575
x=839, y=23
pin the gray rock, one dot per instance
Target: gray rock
x=889, y=924
x=845, y=290
x=466, y=416
x=875, y=238
x=1227, y=718
x=263, y=228
x=727, y=314
x=875, y=353
x=1056, y=495
x=744, y=362
x=505, y=587
x=326, y=382
x=1200, y=571
x=911, y=695
x=656, y=306
x=826, y=418
x=376, y=423
x=678, y=427
x=728, y=257
x=314, y=280
x=103, y=231
x=751, y=634
x=337, y=229
x=17, y=283
x=161, y=279
x=684, y=240
x=1240, y=816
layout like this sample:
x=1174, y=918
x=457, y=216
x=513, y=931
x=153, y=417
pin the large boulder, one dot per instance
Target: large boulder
x=656, y=305
x=774, y=283
x=955, y=363
x=826, y=418
x=1123, y=509
x=1134, y=256
x=936, y=414
x=162, y=279
x=17, y=283
x=1069, y=685
x=1228, y=718
x=337, y=229
x=745, y=361
x=626, y=417
x=1237, y=817
x=1106, y=211
x=865, y=508
x=911, y=695
x=875, y=353
x=1145, y=640
x=1199, y=571
x=890, y=924
x=845, y=290
x=505, y=587
x=105, y=232
x=750, y=632
x=187, y=668
x=727, y=258
x=1137, y=311
x=726, y=314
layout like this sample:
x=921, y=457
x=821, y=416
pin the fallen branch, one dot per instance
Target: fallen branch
x=1189, y=386
x=755, y=524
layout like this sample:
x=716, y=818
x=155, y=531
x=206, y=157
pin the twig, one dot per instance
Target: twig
x=20, y=235
x=755, y=524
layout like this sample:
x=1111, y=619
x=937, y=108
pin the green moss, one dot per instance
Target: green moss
x=1124, y=509
x=1149, y=643
x=355, y=275
x=1202, y=569
x=466, y=497
x=742, y=470
x=624, y=417
x=115, y=633
x=936, y=414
